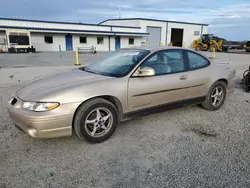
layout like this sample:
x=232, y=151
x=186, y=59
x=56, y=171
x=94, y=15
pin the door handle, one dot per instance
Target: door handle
x=183, y=77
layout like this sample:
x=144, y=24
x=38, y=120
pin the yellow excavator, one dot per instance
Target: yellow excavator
x=247, y=46
x=207, y=42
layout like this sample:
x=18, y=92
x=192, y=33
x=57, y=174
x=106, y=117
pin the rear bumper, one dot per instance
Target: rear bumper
x=231, y=85
x=230, y=92
x=50, y=124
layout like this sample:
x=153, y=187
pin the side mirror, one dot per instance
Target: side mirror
x=144, y=72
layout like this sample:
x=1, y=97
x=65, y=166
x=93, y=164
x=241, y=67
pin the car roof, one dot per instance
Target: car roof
x=154, y=49
x=159, y=48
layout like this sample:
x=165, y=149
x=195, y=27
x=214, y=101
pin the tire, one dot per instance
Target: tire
x=89, y=109
x=209, y=103
x=248, y=90
x=213, y=46
x=199, y=47
x=246, y=85
x=246, y=79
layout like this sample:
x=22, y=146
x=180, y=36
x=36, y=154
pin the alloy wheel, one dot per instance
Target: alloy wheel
x=98, y=122
x=217, y=96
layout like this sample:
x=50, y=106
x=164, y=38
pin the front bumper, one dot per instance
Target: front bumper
x=50, y=124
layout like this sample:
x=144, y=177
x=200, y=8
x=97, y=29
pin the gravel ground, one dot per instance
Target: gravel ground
x=187, y=147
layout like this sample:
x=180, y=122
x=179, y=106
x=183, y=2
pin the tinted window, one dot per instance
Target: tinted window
x=165, y=62
x=20, y=40
x=131, y=41
x=196, y=60
x=248, y=43
x=48, y=39
x=100, y=40
x=83, y=40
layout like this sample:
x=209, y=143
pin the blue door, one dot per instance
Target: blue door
x=69, y=43
x=117, y=43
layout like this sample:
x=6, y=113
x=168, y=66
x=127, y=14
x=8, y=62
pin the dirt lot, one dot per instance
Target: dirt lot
x=187, y=147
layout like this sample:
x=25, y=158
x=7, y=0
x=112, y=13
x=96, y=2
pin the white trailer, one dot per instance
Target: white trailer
x=18, y=40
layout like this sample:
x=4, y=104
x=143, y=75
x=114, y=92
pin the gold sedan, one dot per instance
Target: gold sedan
x=92, y=100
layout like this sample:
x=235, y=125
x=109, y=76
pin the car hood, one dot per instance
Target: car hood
x=57, y=82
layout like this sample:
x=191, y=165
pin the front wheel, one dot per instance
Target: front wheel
x=199, y=47
x=96, y=120
x=213, y=46
x=215, y=97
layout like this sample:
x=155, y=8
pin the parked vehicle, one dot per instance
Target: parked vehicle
x=208, y=42
x=18, y=41
x=92, y=100
x=246, y=80
x=247, y=46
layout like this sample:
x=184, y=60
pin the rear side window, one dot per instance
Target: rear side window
x=196, y=61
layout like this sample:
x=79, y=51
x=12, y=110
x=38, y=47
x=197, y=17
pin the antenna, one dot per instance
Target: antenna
x=120, y=9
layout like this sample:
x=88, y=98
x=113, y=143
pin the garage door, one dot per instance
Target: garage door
x=154, y=38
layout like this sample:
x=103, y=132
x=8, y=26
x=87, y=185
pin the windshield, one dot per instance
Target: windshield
x=118, y=64
x=207, y=37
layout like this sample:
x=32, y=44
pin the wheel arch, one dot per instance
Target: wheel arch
x=116, y=102
x=223, y=80
x=109, y=98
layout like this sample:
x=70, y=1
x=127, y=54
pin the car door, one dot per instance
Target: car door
x=167, y=85
x=198, y=75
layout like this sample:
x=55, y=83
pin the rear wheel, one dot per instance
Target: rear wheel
x=199, y=47
x=96, y=120
x=215, y=97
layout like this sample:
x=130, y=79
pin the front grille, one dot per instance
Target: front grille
x=13, y=102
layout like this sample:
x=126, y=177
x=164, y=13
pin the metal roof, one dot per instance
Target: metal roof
x=75, y=31
x=59, y=22
x=147, y=19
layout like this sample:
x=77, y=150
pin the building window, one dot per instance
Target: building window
x=83, y=40
x=131, y=41
x=20, y=40
x=48, y=39
x=100, y=40
x=196, y=33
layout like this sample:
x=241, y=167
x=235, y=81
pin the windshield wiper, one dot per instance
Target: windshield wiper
x=87, y=70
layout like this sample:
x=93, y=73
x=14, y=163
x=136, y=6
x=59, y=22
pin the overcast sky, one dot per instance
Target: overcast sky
x=227, y=18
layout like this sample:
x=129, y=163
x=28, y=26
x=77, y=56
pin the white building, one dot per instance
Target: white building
x=164, y=32
x=108, y=35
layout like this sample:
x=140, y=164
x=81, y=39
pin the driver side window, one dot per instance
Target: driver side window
x=166, y=62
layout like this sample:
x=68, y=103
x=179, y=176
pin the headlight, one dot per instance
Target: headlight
x=39, y=106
